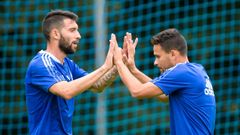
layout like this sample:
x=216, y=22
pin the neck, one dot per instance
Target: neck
x=55, y=51
x=182, y=59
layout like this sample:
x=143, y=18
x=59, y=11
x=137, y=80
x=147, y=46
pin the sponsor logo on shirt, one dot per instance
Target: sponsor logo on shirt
x=208, y=88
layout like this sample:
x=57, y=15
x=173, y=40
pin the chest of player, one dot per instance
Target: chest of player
x=65, y=72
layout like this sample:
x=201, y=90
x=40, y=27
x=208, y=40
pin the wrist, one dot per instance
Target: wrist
x=105, y=68
x=114, y=69
x=134, y=70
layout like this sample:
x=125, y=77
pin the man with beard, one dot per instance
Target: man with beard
x=52, y=79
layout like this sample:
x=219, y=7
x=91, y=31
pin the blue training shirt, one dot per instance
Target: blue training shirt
x=191, y=99
x=49, y=114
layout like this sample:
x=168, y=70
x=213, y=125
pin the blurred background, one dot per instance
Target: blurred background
x=211, y=27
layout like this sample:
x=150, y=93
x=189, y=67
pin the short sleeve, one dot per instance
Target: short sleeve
x=44, y=76
x=170, y=81
x=76, y=71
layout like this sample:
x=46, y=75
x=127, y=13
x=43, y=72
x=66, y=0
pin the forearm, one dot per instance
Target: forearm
x=86, y=82
x=105, y=80
x=70, y=89
x=140, y=75
x=128, y=79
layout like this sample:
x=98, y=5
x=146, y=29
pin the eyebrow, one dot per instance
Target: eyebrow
x=73, y=28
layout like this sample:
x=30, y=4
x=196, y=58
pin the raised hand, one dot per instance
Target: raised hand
x=109, y=58
x=125, y=50
x=118, y=53
x=129, y=50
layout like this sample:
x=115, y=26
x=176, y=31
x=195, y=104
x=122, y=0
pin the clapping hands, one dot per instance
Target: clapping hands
x=125, y=54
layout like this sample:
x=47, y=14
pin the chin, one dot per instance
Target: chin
x=74, y=50
x=162, y=70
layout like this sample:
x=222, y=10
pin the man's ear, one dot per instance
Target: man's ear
x=174, y=54
x=55, y=34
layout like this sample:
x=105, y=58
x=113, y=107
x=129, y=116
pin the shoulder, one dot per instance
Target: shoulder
x=195, y=65
x=186, y=67
x=36, y=62
x=42, y=61
x=182, y=70
x=178, y=69
x=196, y=69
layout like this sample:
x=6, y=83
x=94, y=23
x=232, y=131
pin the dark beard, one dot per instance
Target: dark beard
x=65, y=46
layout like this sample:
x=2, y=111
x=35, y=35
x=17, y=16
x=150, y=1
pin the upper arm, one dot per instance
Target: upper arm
x=172, y=80
x=148, y=90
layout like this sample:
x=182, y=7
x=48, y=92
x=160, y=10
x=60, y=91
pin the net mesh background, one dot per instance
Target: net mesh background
x=211, y=28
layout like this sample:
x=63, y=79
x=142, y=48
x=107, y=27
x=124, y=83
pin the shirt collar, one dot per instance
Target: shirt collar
x=52, y=56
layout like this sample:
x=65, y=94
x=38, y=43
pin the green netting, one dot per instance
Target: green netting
x=211, y=27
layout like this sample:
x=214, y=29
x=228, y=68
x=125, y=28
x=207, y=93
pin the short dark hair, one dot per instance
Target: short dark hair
x=170, y=39
x=54, y=19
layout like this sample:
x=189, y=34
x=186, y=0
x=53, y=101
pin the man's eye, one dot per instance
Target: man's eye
x=72, y=30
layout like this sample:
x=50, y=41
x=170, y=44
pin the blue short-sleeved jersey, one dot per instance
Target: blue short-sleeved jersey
x=191, y=99
x=48, y=113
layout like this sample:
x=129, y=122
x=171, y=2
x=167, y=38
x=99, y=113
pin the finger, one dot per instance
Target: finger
x=129, y=45
x=124, y=42
x=131, y=50
x=112, y=36
x=115, y=39
x=125, y=46
x=112, y=45
x=129, y=37
x=135, y=42
x=124, y=58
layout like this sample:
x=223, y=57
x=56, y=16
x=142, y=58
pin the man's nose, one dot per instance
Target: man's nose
x=155, y=63
x=78, y=35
